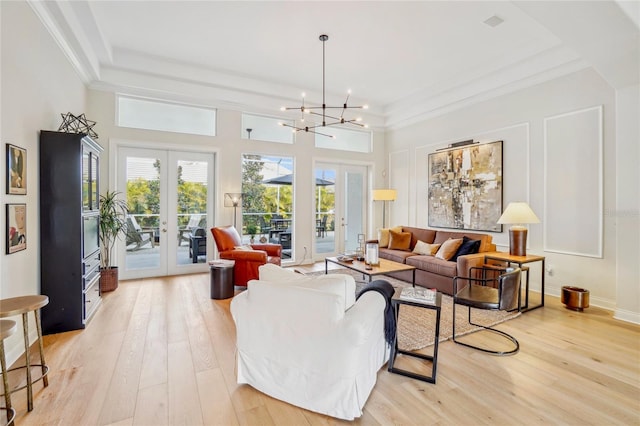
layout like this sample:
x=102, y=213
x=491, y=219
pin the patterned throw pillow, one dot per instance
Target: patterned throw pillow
x=244, y=248
x=399, y=240
x=426, y=248
x=449, y=248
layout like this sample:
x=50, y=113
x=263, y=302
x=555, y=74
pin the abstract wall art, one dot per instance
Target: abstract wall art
x=465, y=187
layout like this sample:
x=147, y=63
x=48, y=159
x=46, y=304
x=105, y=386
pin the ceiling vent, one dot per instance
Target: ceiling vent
x=494, y=21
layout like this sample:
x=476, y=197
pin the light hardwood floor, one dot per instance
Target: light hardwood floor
x=160, y=351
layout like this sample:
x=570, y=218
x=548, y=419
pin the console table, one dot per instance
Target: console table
x=521, y=260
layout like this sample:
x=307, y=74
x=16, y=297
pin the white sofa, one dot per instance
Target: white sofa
x=306, y=341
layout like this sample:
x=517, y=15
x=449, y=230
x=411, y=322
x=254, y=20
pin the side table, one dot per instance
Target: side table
x=396, y=301
x=521, y=260
x=221, y=277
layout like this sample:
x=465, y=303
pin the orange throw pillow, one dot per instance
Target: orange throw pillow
x=399, y=240
x=449, y=248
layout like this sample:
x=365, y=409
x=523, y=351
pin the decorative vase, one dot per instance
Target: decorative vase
x=371, y=255
x=108, y=279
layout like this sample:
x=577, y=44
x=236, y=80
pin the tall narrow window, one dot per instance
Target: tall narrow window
x=267, y=200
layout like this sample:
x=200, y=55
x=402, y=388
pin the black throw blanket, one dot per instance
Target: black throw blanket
x=386, y=290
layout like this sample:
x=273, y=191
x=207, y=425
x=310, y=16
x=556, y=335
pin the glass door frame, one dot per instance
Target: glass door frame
x=168, y=262
x=341, y=194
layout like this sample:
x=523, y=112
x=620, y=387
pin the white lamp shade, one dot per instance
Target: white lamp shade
x=384, y=194
x=518, y=213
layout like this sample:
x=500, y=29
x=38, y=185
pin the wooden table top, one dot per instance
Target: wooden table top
x=7, y=328
x=20, y=305
x=384, y=267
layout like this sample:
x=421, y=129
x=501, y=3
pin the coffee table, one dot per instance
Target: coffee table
x=384, y=267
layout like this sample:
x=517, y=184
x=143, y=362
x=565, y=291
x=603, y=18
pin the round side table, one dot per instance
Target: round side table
x=22, y=306
x=221, y=276
x=7, y=328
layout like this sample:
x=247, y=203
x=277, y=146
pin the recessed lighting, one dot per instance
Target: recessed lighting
x=494, y=21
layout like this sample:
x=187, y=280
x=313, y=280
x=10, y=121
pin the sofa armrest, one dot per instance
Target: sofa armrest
x=271, y=249
x=246, y=255
x=468, y=261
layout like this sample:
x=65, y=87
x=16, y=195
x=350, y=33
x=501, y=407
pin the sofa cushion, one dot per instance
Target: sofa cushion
x=395, y=255
x=426, y=248
x=468, y=246
x=485, y=239
x=399, y=240
x=434, y=265
x=420, y=234
x=383, y=235
x=449, y=248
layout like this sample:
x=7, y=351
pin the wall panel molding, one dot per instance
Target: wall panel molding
x=573, y=183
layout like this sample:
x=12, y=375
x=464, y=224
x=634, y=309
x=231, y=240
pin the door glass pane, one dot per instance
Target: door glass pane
x=354, y=209
x=95, y=170
x=143, y=228
x=191, y=211
x=325, y=209
x=86, y=205
x=267, y=201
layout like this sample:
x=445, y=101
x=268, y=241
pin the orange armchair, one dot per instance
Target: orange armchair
x=247, y=261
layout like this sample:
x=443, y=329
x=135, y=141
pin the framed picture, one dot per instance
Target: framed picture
x=16, y=227
x=465, y=187
x=16, y=170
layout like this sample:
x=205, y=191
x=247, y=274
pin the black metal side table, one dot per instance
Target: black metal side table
x=396, y=301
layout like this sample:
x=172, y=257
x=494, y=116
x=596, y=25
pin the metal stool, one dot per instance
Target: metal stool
x=7, y=328
x=22, y=306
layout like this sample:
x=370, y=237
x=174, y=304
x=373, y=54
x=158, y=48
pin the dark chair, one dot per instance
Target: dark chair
x=265, y=227
x=321, y=226
x=197, y=244
x=476, y=293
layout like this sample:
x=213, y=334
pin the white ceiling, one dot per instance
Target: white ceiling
x=406, y=60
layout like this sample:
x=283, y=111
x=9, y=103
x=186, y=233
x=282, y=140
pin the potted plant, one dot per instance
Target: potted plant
x=113, y=224
x=252, y=230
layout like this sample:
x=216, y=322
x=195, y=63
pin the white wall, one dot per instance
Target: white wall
x=37, y=84
x=518, y=119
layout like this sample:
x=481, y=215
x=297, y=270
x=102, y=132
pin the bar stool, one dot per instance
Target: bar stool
x=7, y=328
x=22, y=306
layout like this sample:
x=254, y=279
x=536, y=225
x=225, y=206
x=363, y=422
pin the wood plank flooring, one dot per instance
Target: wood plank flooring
x=161, y=352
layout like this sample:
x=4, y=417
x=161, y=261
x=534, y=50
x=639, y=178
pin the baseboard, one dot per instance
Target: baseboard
x=628, y=316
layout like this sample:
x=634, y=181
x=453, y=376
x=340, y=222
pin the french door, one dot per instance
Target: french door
x=170, y=197
x=341, y=209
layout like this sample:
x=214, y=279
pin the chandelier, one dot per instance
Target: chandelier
x=315, y=109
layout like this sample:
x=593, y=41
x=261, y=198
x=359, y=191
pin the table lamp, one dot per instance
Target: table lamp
x=518, y=214
x=384, y=195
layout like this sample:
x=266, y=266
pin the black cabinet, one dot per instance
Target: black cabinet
x=69, y=229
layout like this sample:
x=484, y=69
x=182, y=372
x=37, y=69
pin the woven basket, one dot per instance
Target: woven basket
x=109, y=279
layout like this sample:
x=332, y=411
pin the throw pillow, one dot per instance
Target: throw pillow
x=399, y=240
x=383, y=235
x=426, y=248
x=468, y=246
x=245, y=248
x=449, y=248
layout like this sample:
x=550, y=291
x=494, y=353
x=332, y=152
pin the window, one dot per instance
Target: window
x=267, y=199
x=344, y=139
x=165, y=116
x=267, y=129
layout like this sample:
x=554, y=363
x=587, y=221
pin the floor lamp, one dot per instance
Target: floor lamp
x=233, y=199
x=518, y=214
x=384, y=195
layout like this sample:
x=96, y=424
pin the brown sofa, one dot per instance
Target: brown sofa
x=432, y=272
